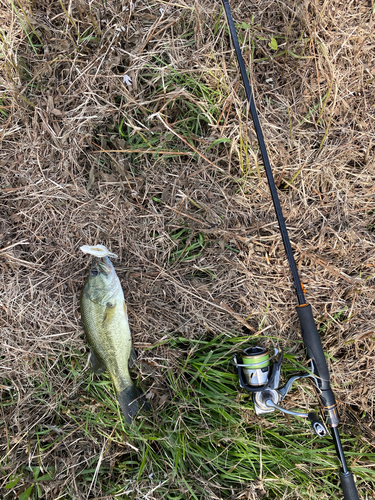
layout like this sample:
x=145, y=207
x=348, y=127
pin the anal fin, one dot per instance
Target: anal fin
x=96, y=364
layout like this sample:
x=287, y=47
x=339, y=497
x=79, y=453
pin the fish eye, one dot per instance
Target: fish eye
x=94, y=272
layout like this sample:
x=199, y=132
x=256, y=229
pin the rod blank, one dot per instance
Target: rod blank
x=266, y=161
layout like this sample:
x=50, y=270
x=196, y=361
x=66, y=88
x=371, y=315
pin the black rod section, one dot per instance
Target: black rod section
x=339, y=450
x=266, y=161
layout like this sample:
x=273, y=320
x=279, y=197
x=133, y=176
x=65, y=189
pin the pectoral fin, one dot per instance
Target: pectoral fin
x=96, y=364
x=109, y=313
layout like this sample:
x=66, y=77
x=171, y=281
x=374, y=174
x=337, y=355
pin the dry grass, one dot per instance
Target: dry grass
x=143, y=169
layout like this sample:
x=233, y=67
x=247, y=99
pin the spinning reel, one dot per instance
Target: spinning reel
x=259, y=376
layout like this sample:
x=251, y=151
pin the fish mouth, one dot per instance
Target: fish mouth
x=101, y=266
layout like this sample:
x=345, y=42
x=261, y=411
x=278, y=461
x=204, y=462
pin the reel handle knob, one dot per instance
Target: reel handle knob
x=318, y=427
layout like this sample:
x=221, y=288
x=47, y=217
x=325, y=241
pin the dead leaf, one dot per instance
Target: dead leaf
x=134, y=79
x=50, y=104
x=57, y=112
x=91, y=178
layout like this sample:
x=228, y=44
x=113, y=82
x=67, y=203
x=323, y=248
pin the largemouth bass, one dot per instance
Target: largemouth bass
x=105, y=320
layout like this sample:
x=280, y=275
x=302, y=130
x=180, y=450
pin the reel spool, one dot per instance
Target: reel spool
x=256, y=365
x=259, y=373
x=255, y=370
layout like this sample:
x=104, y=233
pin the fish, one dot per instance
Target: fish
x=105, y=321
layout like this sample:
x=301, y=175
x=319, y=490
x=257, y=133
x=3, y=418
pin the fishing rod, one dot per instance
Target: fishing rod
x=256, y=373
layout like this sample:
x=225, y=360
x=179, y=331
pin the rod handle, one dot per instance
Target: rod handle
x=348, y=486
x=313, y=344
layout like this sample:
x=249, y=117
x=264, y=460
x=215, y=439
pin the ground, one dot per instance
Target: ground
x=126, y=124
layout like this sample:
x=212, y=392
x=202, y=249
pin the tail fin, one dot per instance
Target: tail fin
x=130, y=399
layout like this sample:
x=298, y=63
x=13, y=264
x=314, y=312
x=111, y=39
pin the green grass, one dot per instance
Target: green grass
x=189, y=246
x=187, y=104
x=209, y=431
x=206, y=438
